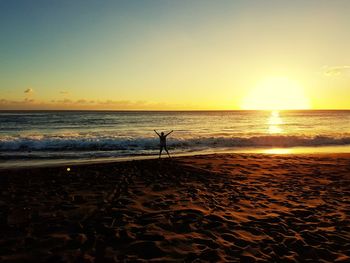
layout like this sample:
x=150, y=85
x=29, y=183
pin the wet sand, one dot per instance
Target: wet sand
x=221, y=207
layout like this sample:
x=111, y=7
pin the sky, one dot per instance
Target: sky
x=174, y=55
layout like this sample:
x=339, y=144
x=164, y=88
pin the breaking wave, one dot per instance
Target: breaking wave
x=81, y=143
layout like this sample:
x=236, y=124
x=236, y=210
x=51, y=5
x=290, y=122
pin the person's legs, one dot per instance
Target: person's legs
x=160, y=151
x=167, y=151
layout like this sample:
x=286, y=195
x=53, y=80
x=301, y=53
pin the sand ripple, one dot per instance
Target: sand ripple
x=236, y=208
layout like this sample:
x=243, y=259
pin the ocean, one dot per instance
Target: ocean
x=32, y=136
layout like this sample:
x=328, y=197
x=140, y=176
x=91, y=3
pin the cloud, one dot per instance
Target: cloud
x=29, y=91
x=64, y=103
x=336, y=71
x=4, y=103
x=84, y=104
x=26, y=100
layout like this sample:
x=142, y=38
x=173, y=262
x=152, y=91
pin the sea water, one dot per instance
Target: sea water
x=67, y=135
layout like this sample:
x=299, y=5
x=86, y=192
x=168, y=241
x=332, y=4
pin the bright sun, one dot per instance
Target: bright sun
x=277, y=93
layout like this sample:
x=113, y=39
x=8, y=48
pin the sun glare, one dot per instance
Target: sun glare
x=278, y=151
x=275, y=122
x=277, y=93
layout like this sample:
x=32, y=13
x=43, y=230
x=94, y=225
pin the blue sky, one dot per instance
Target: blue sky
x=169, y=54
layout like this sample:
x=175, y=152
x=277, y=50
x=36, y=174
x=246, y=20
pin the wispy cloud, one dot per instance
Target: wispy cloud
x=64, y=92
x=29, y=91
x=336, y=71
x=8, y=104
x=84, y=104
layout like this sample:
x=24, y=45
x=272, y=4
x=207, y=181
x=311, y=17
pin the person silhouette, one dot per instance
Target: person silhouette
x=162, y=142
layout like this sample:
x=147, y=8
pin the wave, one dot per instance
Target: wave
x=80, y=143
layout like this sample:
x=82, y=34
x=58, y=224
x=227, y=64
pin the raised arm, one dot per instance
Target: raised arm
x=168, y=133
x=156, y=132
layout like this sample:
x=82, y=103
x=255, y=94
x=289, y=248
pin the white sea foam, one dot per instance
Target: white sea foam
x=80, y=143
x=92, y=134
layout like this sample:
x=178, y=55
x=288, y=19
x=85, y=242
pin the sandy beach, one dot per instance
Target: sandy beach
x=220, y=207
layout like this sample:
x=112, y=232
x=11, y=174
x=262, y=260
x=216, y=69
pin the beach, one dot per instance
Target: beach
x=207, y=208
x=174, y=131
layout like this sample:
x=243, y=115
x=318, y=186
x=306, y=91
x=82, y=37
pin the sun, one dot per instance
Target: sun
x=276, y=93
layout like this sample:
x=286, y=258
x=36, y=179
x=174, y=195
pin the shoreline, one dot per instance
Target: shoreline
x=37, y=163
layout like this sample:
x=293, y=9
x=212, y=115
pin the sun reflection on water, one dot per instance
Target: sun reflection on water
x=278, y=151
x=275, y=123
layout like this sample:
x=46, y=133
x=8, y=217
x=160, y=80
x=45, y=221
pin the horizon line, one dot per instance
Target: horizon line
x=194, y=110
